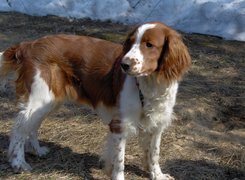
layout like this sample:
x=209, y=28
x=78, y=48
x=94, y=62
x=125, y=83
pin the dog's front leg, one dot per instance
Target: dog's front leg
x=119, y=142
x=115, y=150
x=150, y=142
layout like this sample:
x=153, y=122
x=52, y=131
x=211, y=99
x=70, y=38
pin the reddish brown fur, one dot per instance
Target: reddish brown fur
x=175, y=58
x=87, y=70
x=168, y=56
x=83, y=68
x=78, y=67
x=115, y=126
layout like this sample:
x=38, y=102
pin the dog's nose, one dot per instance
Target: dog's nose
x=125, y=66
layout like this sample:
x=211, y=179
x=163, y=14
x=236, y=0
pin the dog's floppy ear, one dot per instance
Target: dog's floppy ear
x=174, y=59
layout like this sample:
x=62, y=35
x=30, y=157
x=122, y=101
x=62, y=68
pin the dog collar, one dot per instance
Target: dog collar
x=140, y=93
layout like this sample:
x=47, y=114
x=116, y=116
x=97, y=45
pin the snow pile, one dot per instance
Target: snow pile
x=225, y=18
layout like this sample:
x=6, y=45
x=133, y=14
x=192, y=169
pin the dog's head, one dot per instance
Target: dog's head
x=155, y=47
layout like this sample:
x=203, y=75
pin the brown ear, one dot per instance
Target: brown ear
x=175, y=58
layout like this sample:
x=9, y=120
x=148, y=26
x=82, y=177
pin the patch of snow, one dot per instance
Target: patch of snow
x=225, y=18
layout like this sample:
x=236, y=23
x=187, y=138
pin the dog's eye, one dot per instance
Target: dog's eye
x=149, y=45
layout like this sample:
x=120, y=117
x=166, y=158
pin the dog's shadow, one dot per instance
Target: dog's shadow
x=64, y=160
x=59, y=159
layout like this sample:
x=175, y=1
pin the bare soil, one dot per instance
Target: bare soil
x=205, y=141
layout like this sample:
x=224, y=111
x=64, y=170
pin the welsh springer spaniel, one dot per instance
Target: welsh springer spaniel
x=131, y=87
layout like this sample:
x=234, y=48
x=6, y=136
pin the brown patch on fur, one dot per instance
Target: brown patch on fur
x=76, y=67
x=115, y=126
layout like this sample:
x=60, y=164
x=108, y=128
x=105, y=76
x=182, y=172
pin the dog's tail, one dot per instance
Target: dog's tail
x=9, y=63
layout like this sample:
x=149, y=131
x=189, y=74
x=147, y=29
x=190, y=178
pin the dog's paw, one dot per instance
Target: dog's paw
x=161, y=176
x=42, y=151
x=39, y=151
x=20, y=165
x=106, y=167
x=118, y=176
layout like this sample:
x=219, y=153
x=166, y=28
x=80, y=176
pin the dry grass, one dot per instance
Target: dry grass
x=206, y=141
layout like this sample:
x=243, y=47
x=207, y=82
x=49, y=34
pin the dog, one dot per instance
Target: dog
x=132, y=87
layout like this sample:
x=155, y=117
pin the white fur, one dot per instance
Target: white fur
x=113, y=153
x=118, y=153
x=106, y=113
x=135, y=52
x=130, y=105
x=159, y=101
x=40, y=103
x=129, y=113
x=149, y=120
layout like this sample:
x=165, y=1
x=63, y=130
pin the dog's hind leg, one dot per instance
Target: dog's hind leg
x=40, y=102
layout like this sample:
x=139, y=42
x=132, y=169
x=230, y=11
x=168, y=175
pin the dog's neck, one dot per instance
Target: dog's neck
x=153, y=90
x=150, y=87
x=159, y=99
x=140, y=93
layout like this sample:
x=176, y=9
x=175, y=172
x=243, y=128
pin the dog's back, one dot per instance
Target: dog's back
x=67, y=63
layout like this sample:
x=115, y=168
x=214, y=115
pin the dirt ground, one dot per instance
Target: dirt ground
x=206, y=140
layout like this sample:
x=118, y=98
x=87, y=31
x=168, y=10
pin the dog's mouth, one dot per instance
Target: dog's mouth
x=136, y=74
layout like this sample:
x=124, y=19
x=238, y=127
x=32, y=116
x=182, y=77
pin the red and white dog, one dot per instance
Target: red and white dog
x=131, y=87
